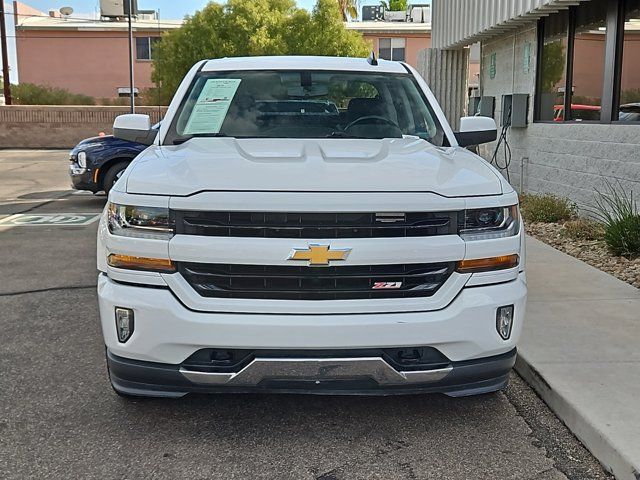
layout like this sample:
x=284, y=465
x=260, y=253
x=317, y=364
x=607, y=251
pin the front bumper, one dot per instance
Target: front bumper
x=82, y=178
x=332, y=376
x=167, y=333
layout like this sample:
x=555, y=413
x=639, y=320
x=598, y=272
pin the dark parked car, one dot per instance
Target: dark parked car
x=96, y=163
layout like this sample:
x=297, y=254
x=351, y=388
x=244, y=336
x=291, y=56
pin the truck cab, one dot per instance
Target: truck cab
x=309, y=225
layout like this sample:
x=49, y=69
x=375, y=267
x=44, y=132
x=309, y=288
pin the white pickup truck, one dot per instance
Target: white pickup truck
x=312, y=225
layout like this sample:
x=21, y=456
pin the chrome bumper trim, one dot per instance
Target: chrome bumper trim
x=316, y=369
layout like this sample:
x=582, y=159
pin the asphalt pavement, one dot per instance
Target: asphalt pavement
x=60, y=419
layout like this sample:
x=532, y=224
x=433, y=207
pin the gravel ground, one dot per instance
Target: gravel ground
x=593, y=252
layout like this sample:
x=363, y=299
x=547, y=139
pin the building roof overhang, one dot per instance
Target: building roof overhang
x=459, y=23
x=377, y=28
x=91, y=25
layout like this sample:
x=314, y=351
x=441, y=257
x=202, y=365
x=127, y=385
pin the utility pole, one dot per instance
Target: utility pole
x=131, y=92
x=5, y=56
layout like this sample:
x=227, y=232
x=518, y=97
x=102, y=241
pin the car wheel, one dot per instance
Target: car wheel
x=113, y=174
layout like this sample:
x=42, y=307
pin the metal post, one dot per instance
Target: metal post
x=131, y=92
x=5, y=56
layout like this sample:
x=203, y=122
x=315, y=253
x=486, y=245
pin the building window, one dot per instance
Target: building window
x=630, y=76
x=553, y=67
x=391, y=49
x=589, y=65
x=145, y=47
x=588, y=61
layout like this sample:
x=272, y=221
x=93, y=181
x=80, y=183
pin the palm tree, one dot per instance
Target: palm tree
x=349, y=9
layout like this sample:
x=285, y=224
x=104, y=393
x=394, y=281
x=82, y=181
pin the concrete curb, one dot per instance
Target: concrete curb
x=599, y=444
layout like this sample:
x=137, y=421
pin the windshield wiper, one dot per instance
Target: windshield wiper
x=181, y=140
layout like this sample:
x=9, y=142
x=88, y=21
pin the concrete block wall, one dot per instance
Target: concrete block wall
x=574, y=160
x=44, y=126
x=567, y=159
x=447, y=74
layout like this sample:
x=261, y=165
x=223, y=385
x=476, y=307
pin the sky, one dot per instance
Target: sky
x=169, y=9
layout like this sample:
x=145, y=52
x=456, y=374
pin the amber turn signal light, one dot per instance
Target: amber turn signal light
x=487, y=264
x=141, y=263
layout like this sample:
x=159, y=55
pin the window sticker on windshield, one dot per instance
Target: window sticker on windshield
x=212, y=105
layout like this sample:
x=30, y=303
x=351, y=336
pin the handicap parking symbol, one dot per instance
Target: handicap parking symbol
x=49, y=219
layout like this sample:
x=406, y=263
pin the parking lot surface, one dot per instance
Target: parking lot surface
x=60, y=419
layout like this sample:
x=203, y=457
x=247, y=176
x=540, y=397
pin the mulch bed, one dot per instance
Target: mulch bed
x=593, y=252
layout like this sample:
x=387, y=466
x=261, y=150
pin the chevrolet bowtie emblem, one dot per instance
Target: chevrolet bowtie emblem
x=319, y=255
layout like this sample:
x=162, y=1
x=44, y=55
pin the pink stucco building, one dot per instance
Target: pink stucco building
x=83, y=55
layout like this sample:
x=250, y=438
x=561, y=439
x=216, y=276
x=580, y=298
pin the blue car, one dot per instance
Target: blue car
x=96, y=163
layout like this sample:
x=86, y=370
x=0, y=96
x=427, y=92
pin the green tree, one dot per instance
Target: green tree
x=253, y=27
x=349, y=9
x=395, y=5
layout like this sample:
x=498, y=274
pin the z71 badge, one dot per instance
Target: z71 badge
x=384, y=285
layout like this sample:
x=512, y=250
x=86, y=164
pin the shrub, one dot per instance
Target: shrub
x=115, y=101
x=619, y=214
x=31, y=94
x=395, y=5
x=154, y=96
x=546, y=208
x=623, y=236
x=583, y=229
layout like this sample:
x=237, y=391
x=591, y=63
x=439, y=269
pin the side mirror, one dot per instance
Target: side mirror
x=476, y=130
x=134, y=127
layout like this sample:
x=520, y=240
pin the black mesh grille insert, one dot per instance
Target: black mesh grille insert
x=315, y=283
x=314, y=225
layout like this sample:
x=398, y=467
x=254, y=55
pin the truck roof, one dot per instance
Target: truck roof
x=302, y=63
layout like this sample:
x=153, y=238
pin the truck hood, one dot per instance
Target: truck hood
x=314, y=165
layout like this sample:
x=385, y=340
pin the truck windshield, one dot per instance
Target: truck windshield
x=304, y=104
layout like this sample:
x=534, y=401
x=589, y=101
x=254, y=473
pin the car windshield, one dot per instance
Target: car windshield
x=304, y=104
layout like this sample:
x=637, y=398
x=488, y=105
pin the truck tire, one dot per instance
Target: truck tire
x=113, y=174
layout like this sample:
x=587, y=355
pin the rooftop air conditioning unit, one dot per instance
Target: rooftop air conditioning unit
x=372, y=13
x=395, y=15
x=117, y=8
x=420, y=13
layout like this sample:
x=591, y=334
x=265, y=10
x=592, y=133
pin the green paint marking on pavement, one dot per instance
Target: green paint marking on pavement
x=49, y=219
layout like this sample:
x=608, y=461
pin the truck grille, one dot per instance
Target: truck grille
x=315, y=283
x=314, y=225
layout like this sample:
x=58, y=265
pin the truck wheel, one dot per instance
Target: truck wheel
x=112, y=175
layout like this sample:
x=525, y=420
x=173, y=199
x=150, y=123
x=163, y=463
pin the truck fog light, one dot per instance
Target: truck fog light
x=504, y=321
x=124, y=323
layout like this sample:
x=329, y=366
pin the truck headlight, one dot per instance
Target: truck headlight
x=486, y=223
x=140, y=222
